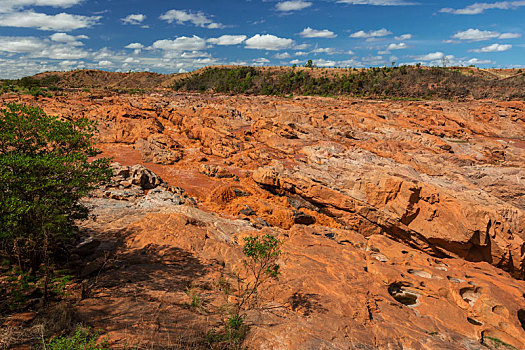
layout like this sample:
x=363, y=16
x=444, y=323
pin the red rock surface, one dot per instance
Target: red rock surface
x=418, y=202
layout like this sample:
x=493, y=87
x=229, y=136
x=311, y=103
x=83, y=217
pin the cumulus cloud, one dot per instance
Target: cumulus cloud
x=313, y=33
x=135, y=19
x=326, y=50
x=399, y=46
x=260, y=61
x=9, y=5
x=433, y=56
x=198, y=19
x=476, y=61
x=479, y=35
x=134, y=46
x=294, y=5
x=494, y=48
x=324, y=63
x=61, y=52
x=137, y=47
x=480, y=7
x=301, y=46
x=105, y=63
x=377, y=2
x=282, y=56
x=20, y=44
x=69, y=39
x=371, y=34
x=59, y=22
x=268, y=42
x=403, y=37
x=182, y=43
x=36, y=47
x=228, y=40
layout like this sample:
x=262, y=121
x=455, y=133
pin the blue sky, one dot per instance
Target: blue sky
x=177, y=36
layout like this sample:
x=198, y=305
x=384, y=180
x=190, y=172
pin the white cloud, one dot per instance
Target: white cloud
x=42, y=21
x=68, y=39
x=324, y=63
x=20, y=44
x=494, y=48
x=431, y=56
x=301, y=47
x=294, y=5
x=377, y=2
x=182, y=43
x=479, y=35
x=268, y=42
x=9, y=5
x=509, y=36
x=260, y=61
x=403, y=37
x=137, y=47
x=371, y=34
x=35, y=47
x=480, y=7
x=326, y=50
x=476, y=61
x=374, y=60
x=105, y=63
x=131, y=60
x=68, y=63
x=228, y=40
x=134, y=46
x=282, y=56
x=300, y=53
x=313, y=33
x=399, y=46
x=198, y=19
x=194, y=54
x=135, y=19
x=61, y=52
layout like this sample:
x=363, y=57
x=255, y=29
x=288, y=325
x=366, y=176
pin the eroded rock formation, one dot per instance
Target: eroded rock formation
x=403, y=223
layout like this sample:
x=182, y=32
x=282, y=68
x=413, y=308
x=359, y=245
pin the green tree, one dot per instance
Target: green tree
x=260, y=266
x=44, y=172
x=309, y=64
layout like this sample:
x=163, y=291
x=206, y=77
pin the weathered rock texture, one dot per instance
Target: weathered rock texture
x=403, y=223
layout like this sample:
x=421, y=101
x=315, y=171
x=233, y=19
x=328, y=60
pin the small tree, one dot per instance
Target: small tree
x=44, y=172
x=260, y=263
x=309, y=64
x=260, y=266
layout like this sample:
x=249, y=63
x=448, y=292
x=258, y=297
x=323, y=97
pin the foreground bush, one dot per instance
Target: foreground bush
x=44, y=172
x=83, y=338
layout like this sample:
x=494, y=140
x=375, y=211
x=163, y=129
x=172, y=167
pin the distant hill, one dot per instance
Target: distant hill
x=381, y=82
x=90, y=78
x=417, y=82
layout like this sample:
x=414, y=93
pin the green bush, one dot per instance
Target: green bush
x=84, y=338
x=44, y=172
x=260, y=266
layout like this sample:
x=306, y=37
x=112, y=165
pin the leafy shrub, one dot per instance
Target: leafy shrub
x=260, y=266
x=44, y=172
x=84, y=338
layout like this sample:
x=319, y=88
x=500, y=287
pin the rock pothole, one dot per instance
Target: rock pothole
x=470, y=294
x=474, y=321
x=419, y=273
x=403, y=295
x=521, y=318
x=379, y=257
x=455, y=280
